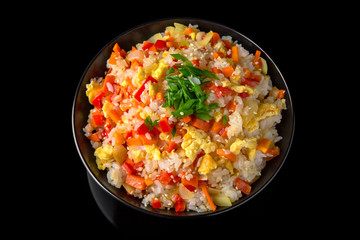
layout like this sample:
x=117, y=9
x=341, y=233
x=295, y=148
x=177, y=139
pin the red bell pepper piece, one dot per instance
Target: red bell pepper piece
x=147, y=45
x=164, y=125
x=142, y=88
x=171, y=146
x=127, y=168
x=97, y=100
x=221, y=91
x=180, y=204
x=142, y=129
x=243, y=186
x=156, y=203
x=136, y=181
x=191, y=184
x=160, y=44
x=165, y=178
x=96, y=115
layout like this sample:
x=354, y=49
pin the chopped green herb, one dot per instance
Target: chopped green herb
x=225, y=120
x=173, y=132
x=150, y=124
x=184, y=90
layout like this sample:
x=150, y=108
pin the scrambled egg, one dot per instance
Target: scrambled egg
x=160, y=70
x=239, y=88
x=196, y=140
x=138, y=155
x=140, y=76
x=153, y=87
x=153, y=152
x=104, y=154
x=249, y=143
x=266, y=110
x=92, y=89
x=207, y=164
x=256, y=112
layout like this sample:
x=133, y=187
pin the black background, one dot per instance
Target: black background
x=72, y=36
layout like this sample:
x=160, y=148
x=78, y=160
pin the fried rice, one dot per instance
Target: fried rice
x=185, y=120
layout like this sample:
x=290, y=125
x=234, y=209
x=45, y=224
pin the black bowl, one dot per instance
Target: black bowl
x=106, y=194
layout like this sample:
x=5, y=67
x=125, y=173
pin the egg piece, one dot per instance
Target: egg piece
x=103, y=154
x=153, y=152
x=140, y=76
x=160, y=70
x=196, y=140
x=153, y=87
x=207, y=164
x=138, y=155
x=250, y=143
x=266, y=110
x=92, y=89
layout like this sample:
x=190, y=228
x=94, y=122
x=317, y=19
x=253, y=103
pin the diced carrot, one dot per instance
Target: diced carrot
x=235, y=54
x=172, y=44
x=152, y=49
x=148, y=181
x=281, y=94
x=145, y=140
x=228, y=71
x=159, y=96
x=116, y=48
x=218, y=54
x=215, y=38
x=135, y=181
x=134, y=141
x=187, y=118
x=274, y=152
x=108, y=79
x=227, y=154
x=94, y=137
x=223, y=133
x=256, y=61
x=216, y=70
x=191, y=184
x=135, y=64
x=263, y=145
x=170, y=39
x=201, y=124
x=114, y=57
x=133, y=48
x=115, y=115
x=247, y=73
x=243, y=186
x=119, y=138
x=188, y=30
x=217, y=126
x=231, y=106
x=207, y=195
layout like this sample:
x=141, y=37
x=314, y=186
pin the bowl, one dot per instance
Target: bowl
x=106, y=194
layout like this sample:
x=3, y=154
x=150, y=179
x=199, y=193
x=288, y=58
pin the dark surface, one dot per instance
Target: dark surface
x=97, y=67
x=289, y=205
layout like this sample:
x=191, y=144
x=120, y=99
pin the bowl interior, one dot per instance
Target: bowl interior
x=97, y=68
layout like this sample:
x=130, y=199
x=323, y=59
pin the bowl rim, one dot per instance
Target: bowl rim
x=199, y=214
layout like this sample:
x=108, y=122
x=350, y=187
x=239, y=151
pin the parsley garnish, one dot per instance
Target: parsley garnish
x=150, y=124
x=184, y=90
